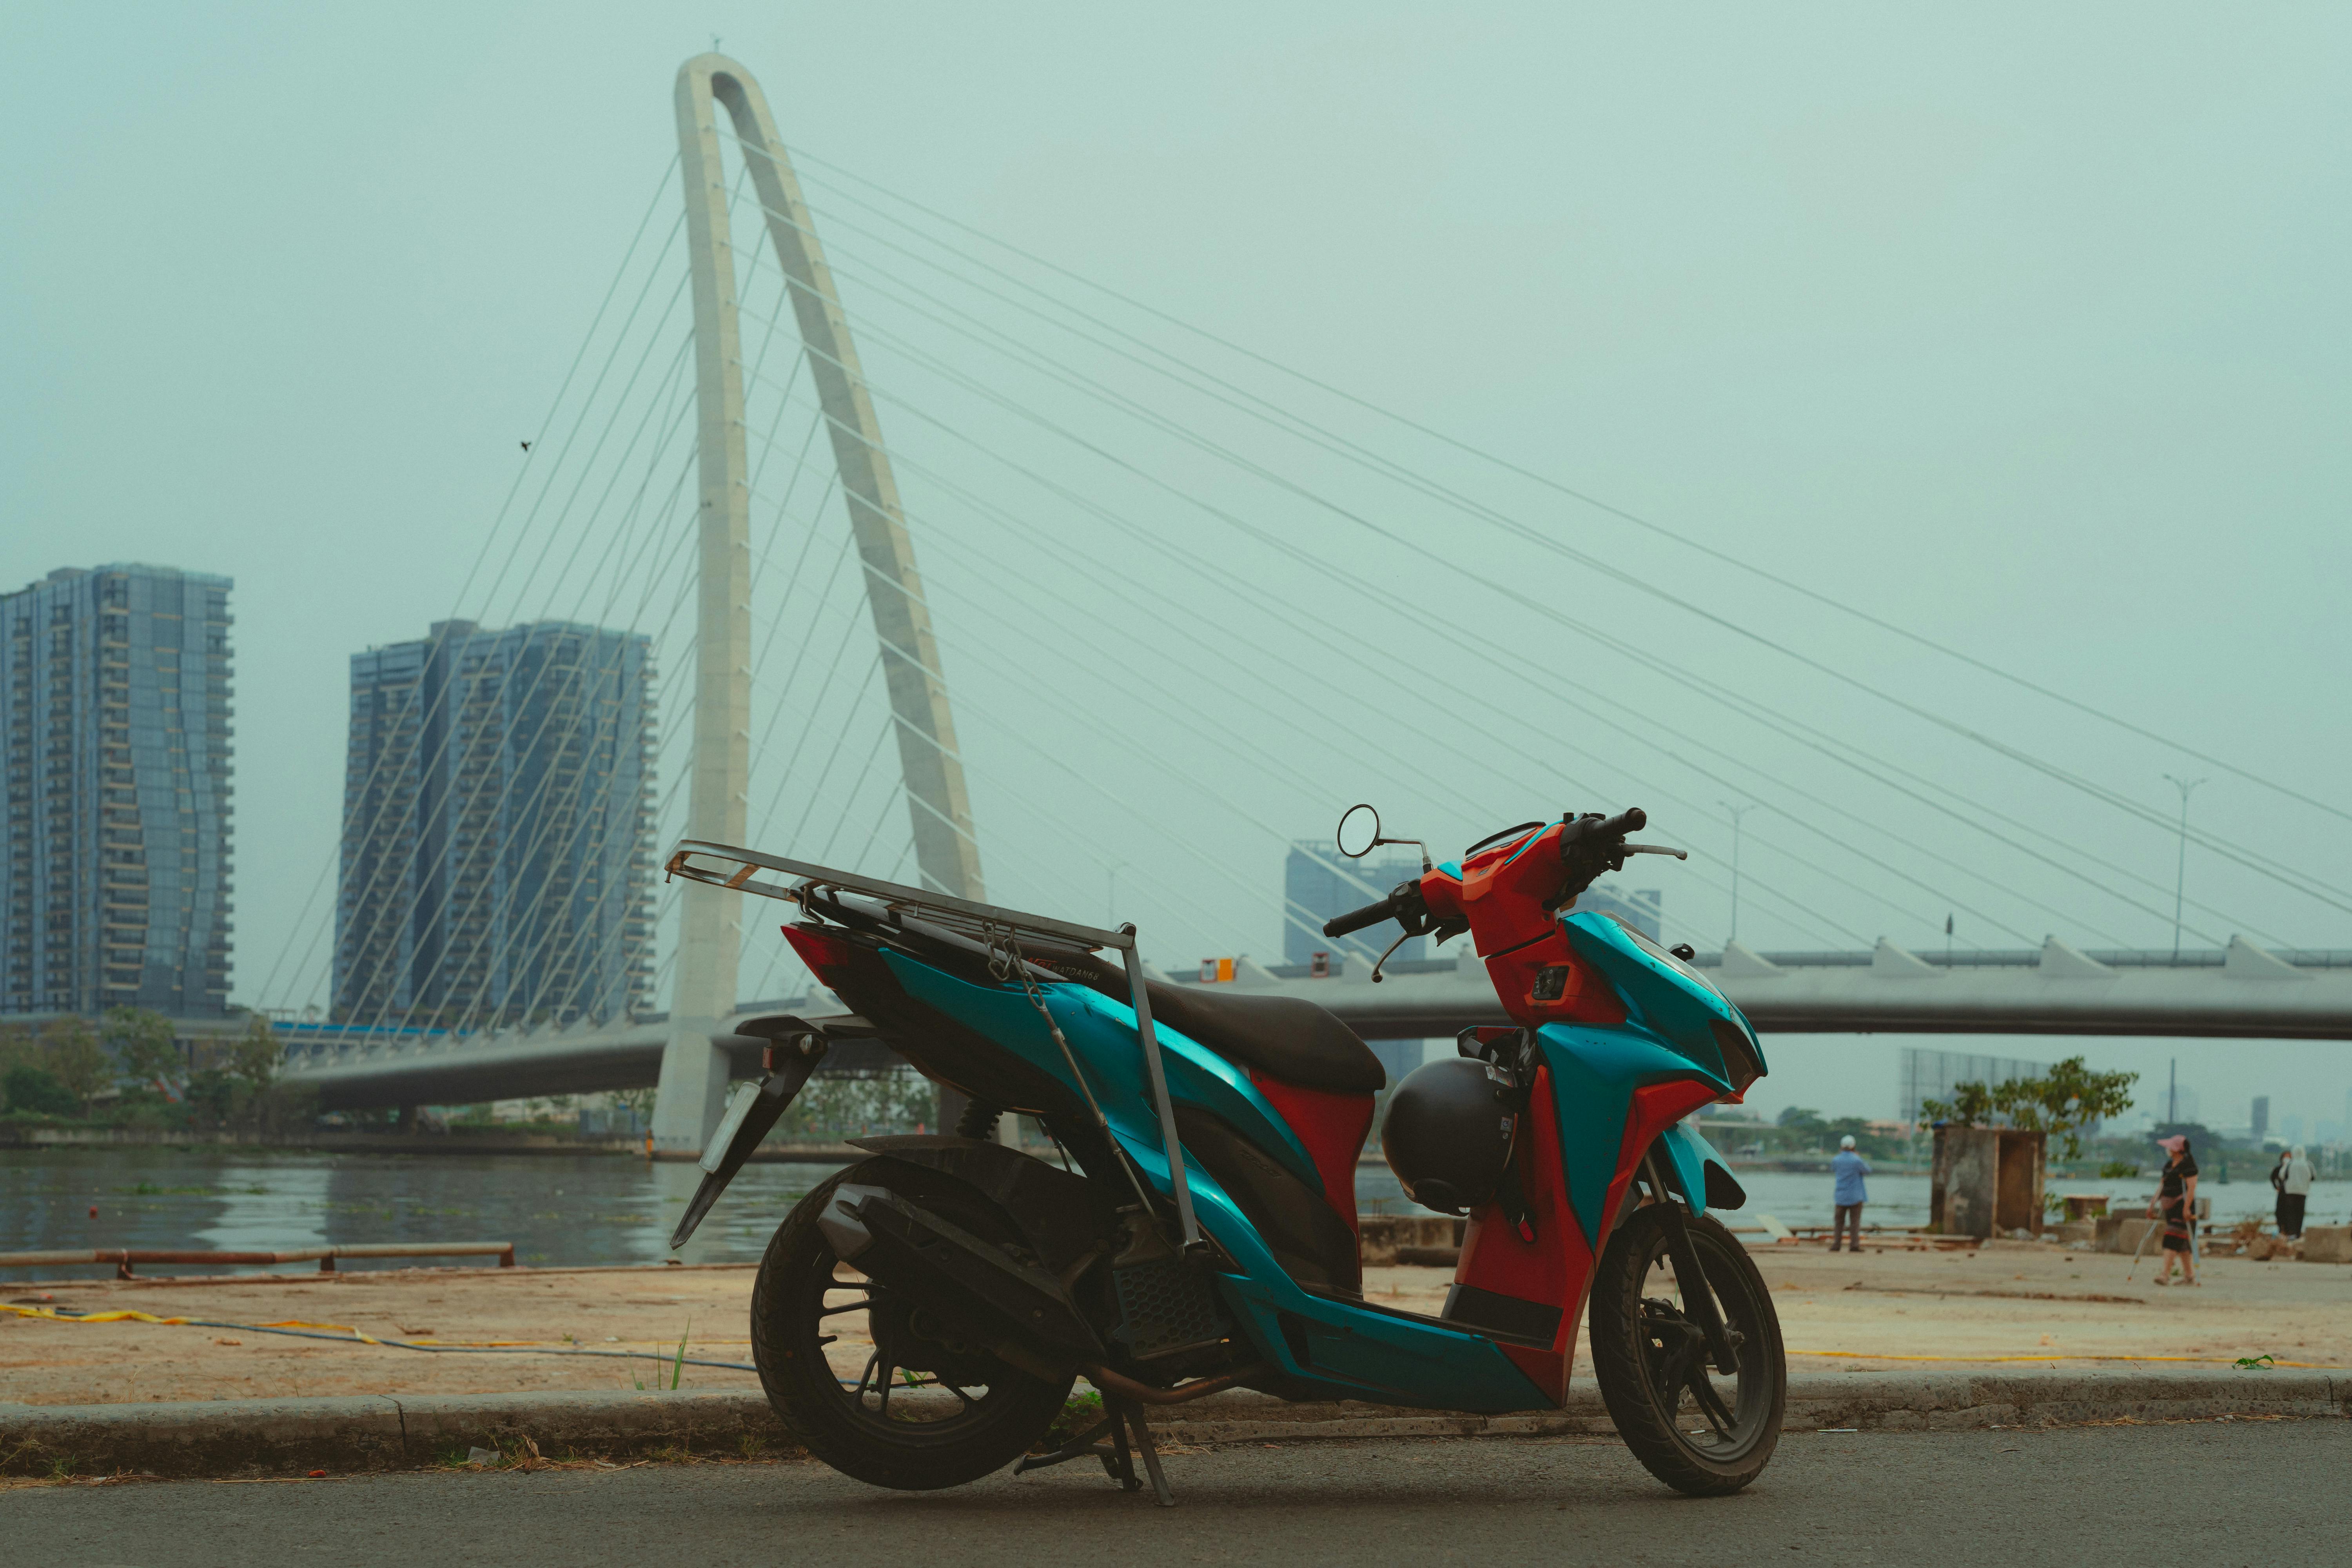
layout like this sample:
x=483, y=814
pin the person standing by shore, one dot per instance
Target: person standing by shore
x=1851, y=1192
x=2292, y=1177
x=2176, y=1203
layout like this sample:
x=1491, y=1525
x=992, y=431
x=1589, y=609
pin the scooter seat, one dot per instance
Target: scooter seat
x=1285, y=1038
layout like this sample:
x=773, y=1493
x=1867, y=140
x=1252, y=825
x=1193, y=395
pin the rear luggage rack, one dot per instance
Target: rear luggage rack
x=987, y=924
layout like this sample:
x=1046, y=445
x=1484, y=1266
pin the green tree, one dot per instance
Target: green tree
x=254, y=1057
x=210, y=1094
x=70, y=1050
x=2061, y=1103
x=1801, y=1119
x=36, y=1092
x=144, y=1046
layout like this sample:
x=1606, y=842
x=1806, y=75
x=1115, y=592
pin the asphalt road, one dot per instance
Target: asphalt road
x=2216, y=1493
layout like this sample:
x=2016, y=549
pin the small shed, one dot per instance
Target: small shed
x=1986, y=1180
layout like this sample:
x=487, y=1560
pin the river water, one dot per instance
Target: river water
x=587, y=1209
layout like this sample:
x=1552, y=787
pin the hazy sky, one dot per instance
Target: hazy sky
x=2025, y=330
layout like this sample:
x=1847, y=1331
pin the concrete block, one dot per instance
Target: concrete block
x=2327, y=1243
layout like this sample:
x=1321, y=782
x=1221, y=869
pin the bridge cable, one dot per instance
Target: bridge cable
x=1586, y=497
x=1697, y=683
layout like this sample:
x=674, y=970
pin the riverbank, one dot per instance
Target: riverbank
x=2017, y=1309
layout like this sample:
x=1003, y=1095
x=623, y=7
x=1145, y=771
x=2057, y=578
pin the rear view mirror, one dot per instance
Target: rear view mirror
x=1359, y=830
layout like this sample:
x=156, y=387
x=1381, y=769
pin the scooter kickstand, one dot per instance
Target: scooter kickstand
x=1128, y=1413
x=1083, y=1445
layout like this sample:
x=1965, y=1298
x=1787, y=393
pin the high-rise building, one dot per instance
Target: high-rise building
x=497, y=829
x=1924, y=1074
x=114, y=714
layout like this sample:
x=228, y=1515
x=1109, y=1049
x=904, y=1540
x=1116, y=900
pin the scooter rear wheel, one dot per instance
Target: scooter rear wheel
x=1695, y=1429
x=910, y=1407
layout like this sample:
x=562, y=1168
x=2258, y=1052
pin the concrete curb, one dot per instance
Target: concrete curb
x=1866, y=1401
x=376, y=1432
x=379, y=1432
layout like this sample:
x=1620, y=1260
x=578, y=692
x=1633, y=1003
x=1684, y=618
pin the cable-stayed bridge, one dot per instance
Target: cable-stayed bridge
x=1186, y=609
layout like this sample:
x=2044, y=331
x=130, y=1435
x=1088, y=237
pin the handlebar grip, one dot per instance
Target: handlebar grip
x=1357, y=919
x=1587, y=830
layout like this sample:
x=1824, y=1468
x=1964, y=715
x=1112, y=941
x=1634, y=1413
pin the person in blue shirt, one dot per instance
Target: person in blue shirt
x=1851, y=1193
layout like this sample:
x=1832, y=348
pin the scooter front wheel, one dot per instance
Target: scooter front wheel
x=1698, y=1429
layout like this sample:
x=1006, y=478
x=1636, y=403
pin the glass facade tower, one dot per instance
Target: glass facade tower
x=114, y=716
x=497, y=829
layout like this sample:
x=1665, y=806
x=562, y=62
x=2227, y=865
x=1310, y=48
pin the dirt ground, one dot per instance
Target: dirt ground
x=2014, y=1306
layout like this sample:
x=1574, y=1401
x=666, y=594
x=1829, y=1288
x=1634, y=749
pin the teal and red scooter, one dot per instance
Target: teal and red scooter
x=921, y=1318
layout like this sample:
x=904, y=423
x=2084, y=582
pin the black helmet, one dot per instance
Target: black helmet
x=1448, y=1133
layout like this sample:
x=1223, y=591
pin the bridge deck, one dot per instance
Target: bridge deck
x=2240, y=992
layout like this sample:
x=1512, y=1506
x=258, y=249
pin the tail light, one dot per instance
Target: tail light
x=820, y=949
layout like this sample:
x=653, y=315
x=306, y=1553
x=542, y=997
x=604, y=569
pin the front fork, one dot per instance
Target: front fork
x=1698, y=1296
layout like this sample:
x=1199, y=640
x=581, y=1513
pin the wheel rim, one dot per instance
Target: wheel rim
x=895, y=1388
x=1715, y=1417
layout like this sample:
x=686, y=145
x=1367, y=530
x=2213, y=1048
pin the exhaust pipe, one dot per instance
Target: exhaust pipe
x=1020, y=1315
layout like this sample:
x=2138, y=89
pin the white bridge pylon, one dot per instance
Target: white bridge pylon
x=694, y=1071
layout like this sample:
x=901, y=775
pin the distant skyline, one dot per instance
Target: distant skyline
x=2022, y=330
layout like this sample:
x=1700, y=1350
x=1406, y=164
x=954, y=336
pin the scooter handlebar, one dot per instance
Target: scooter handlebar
x=1585, y=829
x=1357, y=919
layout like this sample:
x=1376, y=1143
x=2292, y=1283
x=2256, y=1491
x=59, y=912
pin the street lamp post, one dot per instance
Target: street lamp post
x=1737, y=813
x=2181, y=871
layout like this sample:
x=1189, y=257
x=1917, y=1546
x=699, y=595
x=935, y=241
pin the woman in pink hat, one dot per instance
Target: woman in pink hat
x=2176, y=1200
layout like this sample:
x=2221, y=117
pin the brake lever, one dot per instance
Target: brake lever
x=1654, y=850
x=1400, y=941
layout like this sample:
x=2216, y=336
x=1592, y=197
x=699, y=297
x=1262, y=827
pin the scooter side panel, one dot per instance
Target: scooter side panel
x=1349, y=1351
x=1352, y=1351
x=1102, y=1036
x=1594, y=1073
x=1554, y=1266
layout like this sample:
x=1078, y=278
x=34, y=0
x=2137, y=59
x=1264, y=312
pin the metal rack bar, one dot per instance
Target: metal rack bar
x=969, y=917
x=1149, y=1034
x=958, y=914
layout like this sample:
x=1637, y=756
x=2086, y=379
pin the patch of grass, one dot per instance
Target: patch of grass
x=20, y=1458
x=1078, y=1411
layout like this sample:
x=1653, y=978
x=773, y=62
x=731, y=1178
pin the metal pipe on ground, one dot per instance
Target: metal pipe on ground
x=123, y=1257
